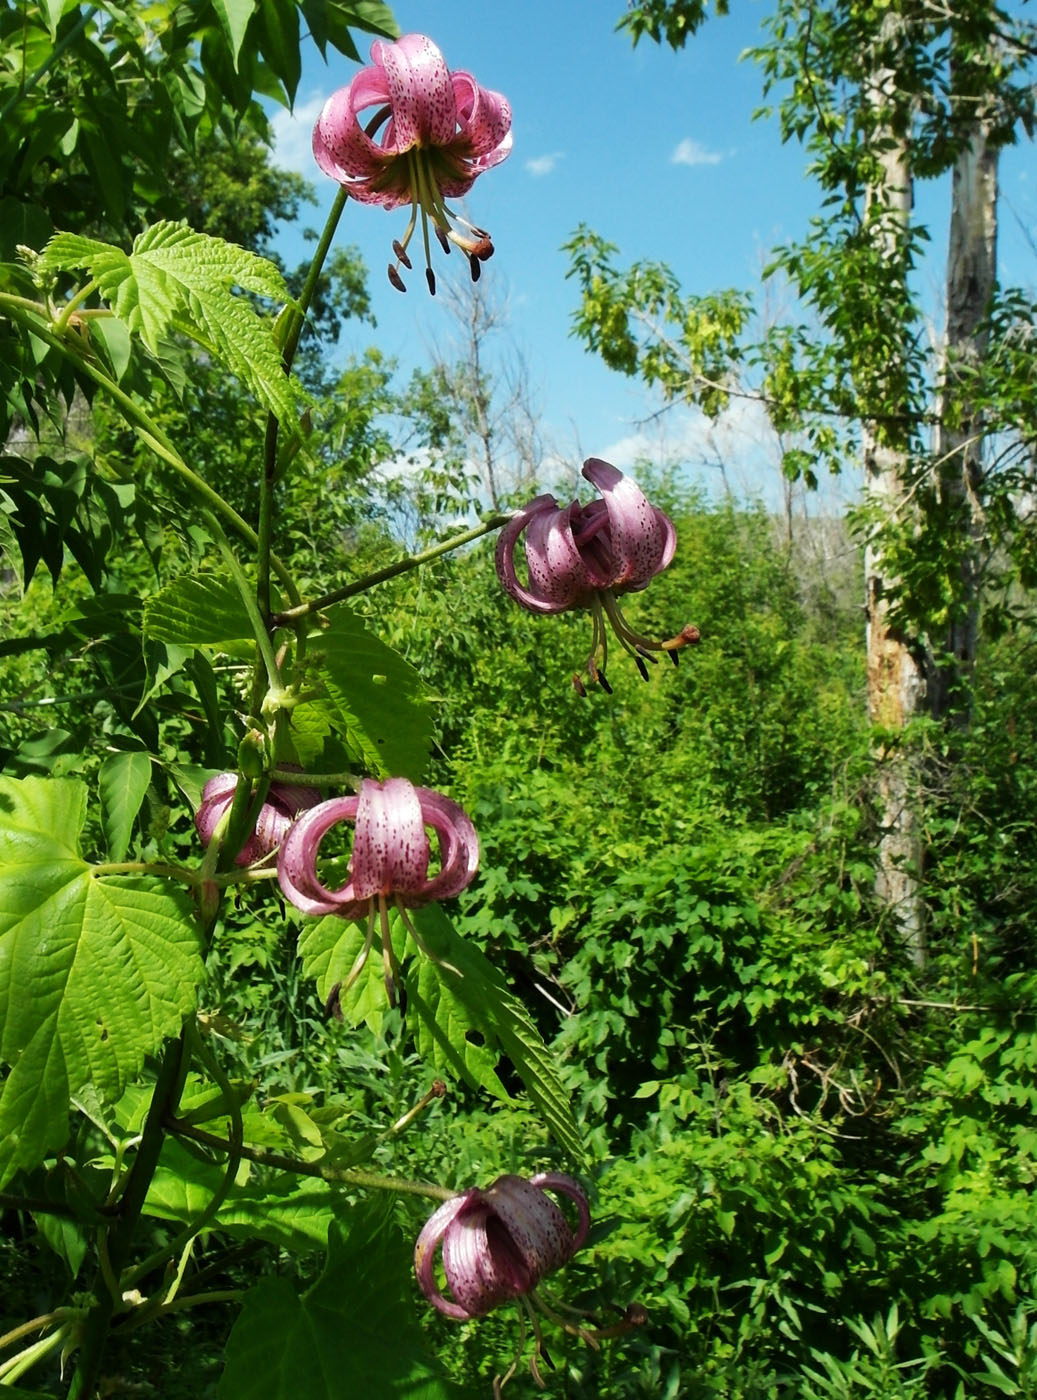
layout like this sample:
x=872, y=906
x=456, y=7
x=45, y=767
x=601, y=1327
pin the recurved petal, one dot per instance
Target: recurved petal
x=458, y=844
x=556, y=572
x=535, y=1226
x=484, y=118
x=642, y=537
x=482, y=1263
x=420, y=91
x=390, y=848
x=297, y=862
x=341, y=147
x=425, y=1254
x=568, y=1186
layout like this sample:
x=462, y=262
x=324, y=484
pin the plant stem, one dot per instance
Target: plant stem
x=72, y=305
x=98, y=1321
x=259, y=626
x=234, y=1150
x=348, y=1176
x=402, y=566
x=273, y=427
x=316, y=780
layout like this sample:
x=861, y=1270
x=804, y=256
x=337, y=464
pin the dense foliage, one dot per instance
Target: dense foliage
x=811, y=1156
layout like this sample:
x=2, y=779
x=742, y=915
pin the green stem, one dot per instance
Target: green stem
x=184, y=1238
x=259, y=626
x=147, y=867
x=348, y=1176
x=72, y=304
x=164, y=1099
x=33, y=1325
x=189, y=1300
x=402, y=566
x=16, y=310
x=273, y=428
x=315, y=780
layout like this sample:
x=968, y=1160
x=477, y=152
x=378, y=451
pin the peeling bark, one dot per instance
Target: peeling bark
x=971, y=278
x=896, y=683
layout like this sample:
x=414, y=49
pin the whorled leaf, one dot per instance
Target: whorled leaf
x=95, y=971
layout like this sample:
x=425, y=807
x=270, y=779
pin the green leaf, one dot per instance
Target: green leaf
x=95, y=971
x=122, y=782
x=329, y=947
x=291, y=1212
x=176, y=280
x=206, y=610
x=445, y=1008
x=279, y=42
x=372, y=696
x=234, y=16
x=355, y=1332
x=477, y=993
x=115, y=342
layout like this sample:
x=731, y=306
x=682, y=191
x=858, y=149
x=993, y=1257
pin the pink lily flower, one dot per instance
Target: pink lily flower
x=390, y=859
x=586, y=556
x=284, y=802
x=499, y=1243
x=433, y=134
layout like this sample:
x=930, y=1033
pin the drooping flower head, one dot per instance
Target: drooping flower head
x=390, y=859
x=586, y=556
x=433, y=133
x=499, y=1243
x=284, y=802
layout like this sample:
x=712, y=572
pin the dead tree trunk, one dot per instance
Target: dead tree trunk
x=971, y=277
x=896, y=685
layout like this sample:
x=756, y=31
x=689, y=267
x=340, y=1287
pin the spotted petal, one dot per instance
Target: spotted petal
x=390, y=849
x=420, y=91
x=297, y=862
x=557, y=576
x=641, y=536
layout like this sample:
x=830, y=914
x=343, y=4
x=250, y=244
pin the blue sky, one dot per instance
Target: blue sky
x=656, y=151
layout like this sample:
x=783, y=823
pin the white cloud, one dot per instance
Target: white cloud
x=293, y=135
x=691, y=152
x=543, y=165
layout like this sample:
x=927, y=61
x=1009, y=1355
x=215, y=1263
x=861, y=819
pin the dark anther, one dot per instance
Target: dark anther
x=444, y=242
x=675, y=657
x=396, y=279
x=603, y=682
x=641, y=667
x=333, y=1005
x=401, y=253
x=476, y=266
x=430, y=278
x=648, y=656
